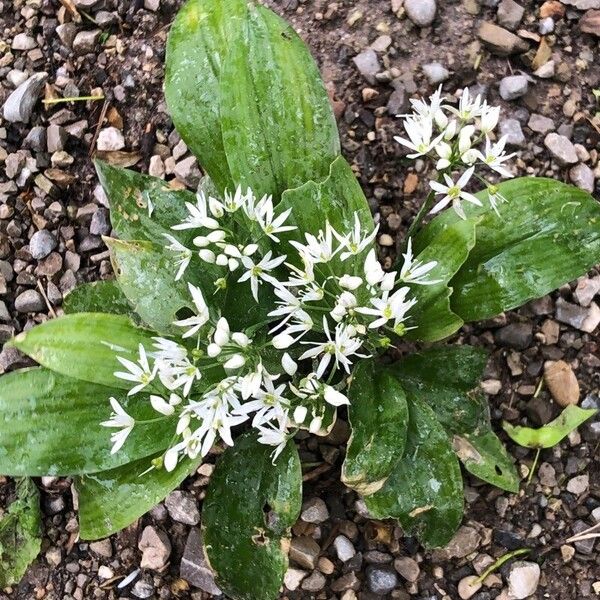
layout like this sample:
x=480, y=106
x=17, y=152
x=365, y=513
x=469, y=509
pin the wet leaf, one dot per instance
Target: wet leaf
x=84, y=346
x=551, y=434
x=199, y=39
x=129, y=194
x=278, y=126
x=548, y=233
x=20, y=533
x=447, y=379
x=114, y=499
x=425, y=490
x=146, y=274
x=98, y=296
x=51, y=425
x=247, y=537
x=378, y=416
x=432, y=314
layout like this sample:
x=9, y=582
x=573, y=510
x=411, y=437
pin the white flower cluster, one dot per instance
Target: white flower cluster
x=453, y=137
x=329, y=303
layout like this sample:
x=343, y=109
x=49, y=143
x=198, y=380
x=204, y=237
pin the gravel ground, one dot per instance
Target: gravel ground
x=541, y=62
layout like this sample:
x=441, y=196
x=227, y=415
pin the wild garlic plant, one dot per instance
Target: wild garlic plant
x=331, y=304
x=257, y=307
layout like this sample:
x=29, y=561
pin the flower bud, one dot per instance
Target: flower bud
x=282, y=341
x=350, y=282
x=241, y=339
x=221, y=260
x=215, y=207
x=171, y=456
x=300, y=414
x=250, y=249
x=161, y=405
x=216, y=236
x=237, y=361
x=333, y=397
x=315, y=424
x=213, y=350
x=207, y=255
x=289, y=365
x=201, y=241
x=233, y=264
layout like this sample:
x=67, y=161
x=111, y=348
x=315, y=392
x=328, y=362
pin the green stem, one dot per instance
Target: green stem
x=534, y=465
x=416, y=224
x=501, y=561
x=72, y=99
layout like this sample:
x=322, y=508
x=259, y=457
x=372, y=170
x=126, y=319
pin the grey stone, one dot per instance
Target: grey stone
x=152, y=5
x=582, y=318
x=513, y=87
x=182, y=507
x=88, y=4
x=435, y=72
x=546, y=26
x=408, y=568
x=110, y=139
x=314, y=511
x=304, y=551
x=142, y=589
x=500, y=41
x=420, y=12
x=586, y=290
x=510, y=14
x=547, y=474
x=582, y=4
x=194, y=566
x=56, y=136
x=29, y=301
x=293, y=578
x=367, y=64
x=66, y=33
x=186, y=170
x=381, y=580
x=16, y=77
x=561, y=149
x=36, y=139
x=85, y=41
x=583, y=177
x=102, y=548
x=546, y=71
x=100, y=225
x=578, y=485
x=19, y=105
x=41, y=244
x=155, y=547
x=511, y=128
x=541, y=124
x=523, y=579
x=22, y=41
x=515, y=335
x=398, y=102
x=344, y=548
x=465, y=541
x=315, y=582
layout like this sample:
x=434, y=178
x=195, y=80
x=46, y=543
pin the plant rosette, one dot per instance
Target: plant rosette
x=255, y=307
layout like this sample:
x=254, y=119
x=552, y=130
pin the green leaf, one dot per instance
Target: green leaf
x=278, y=126
x=425, y=490
x=548, y=233
x=337, y=199
x=146, y=274
x=378, y=415
x=84, y=346
x=20, y=533
x=249, y=508
x=51, y=425
x=112, y=500
x=432, y=314
x=199, y=39
x=446, y=379
x=98, y=296
x=551, y=434
x=130, y=192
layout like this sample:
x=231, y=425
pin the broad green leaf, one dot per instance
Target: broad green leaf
x=547, y=233
x=20, y=533
x=378, y=415
x=552, y=433
x=249, y=508
x=199, y=38
x=146, y=273
x=85, y=346
x=432, y=316
x=337, y=199
x=98, y=296
x=51, y=425
x=129, y=194
x=112, y=500
x=425, y=490
x=446, y=379
x=278, y=126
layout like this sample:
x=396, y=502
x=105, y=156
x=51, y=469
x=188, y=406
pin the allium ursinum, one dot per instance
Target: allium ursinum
x=330, y=303
x=460, y=140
